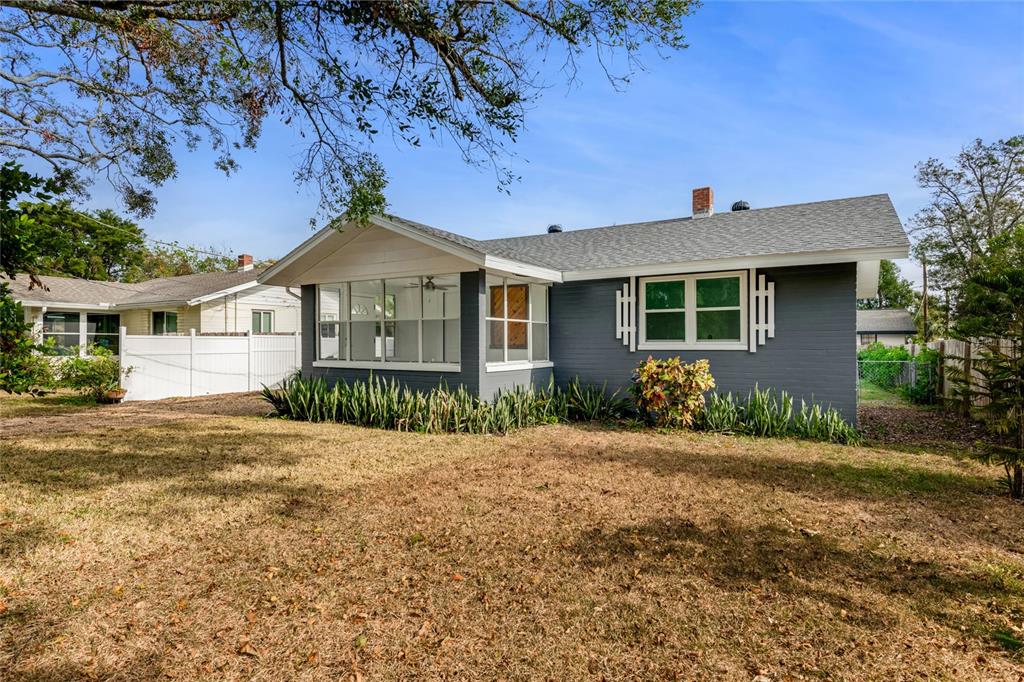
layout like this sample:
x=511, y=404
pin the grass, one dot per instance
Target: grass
x=53, y=403
x=237, y=547
x=868, y=391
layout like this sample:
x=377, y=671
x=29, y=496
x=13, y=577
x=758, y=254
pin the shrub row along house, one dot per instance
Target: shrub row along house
x=74, y=313
x=767, y=295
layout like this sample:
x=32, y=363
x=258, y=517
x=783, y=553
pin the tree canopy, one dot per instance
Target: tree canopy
x=115, y=87
x=894, y=290
x=977, y=198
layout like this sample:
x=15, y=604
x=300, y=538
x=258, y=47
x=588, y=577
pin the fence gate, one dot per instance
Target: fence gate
x=172, y=366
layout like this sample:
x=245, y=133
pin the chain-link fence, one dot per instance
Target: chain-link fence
x=894, y=380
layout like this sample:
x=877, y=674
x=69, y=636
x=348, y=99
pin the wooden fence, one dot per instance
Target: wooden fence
x=962, y=355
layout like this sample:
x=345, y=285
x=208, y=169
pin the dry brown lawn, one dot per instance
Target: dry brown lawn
x=170, y=541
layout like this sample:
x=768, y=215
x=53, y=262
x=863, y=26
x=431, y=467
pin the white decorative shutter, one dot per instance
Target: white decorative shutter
x=625, y=314
x=761, y=310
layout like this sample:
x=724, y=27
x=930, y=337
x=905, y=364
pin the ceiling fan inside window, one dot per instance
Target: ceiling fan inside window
x=430, y=285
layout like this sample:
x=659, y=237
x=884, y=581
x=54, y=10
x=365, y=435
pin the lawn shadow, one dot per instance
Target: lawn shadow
x=736, y=558
x=153, y=453
x=869, y=480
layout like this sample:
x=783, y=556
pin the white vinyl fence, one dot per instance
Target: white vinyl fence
x=171, y=366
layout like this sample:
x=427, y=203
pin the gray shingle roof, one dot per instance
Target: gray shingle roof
x=855, y=223
x=85, y=291
x=897, y=321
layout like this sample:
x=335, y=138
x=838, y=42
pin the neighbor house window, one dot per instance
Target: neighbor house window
x=517, y=321
x=407, y=320
x=868, y=339
x=262, y=322
x=165, y=322
x=104, y=330
x=694, y=311
x=62, y=330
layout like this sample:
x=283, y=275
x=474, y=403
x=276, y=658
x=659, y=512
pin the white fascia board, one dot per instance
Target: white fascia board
x=223, y=292
x=743, y=262
x=522, y=269
x=69, y=306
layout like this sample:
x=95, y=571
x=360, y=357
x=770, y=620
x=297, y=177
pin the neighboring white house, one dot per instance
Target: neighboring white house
x=889, y=327
x=79, y=312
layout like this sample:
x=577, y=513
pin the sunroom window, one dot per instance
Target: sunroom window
x=693, y=311
x=406, y=320
x=517, y=321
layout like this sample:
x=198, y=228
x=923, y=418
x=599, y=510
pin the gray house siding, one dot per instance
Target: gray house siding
x=811, y=356
x=468, y=376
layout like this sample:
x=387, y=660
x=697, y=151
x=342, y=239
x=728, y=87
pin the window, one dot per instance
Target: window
x=104, y=330
x=62, y=329
x=868, y=339
x=262, y=322
x=165, y=322
x=517, y=321
x=694, y=311
x=408, y=320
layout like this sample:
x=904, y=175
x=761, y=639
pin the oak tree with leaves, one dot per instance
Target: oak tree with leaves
x=114, y=87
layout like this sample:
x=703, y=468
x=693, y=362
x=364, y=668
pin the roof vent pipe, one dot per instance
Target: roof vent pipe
x=554, y=229
x=741, y=206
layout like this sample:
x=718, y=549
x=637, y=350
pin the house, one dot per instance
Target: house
x=767, y=295
x=889, y=327
x=80, y=312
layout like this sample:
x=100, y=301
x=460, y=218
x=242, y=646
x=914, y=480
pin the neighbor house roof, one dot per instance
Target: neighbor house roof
x=895, y=321
x=841, y=230
x=183, y=289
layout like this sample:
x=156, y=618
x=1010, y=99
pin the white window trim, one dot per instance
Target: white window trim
x=506, y=365
x=692, y=343
x=517, y=365
x=261, y=314
x=383, y=363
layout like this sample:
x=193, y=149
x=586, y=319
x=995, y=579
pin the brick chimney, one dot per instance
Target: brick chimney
x=245, y=260
x=703, y=202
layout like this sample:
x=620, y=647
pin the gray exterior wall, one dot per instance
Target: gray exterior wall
x=468, y=376
x=813, y=354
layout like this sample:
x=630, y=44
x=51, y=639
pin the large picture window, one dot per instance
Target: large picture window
x=404, y=320
x=694, y=311
x=517, y=321
x=62, y=330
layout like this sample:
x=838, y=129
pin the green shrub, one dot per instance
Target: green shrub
x=94, y=374
x=384, y=404
x=925, y=388
x=671, y=392
x=770, y=414
x=880, y=352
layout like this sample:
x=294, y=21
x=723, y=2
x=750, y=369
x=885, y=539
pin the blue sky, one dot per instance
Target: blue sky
x=773, y=103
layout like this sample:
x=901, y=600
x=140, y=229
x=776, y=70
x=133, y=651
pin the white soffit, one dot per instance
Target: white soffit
x=867, y=278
